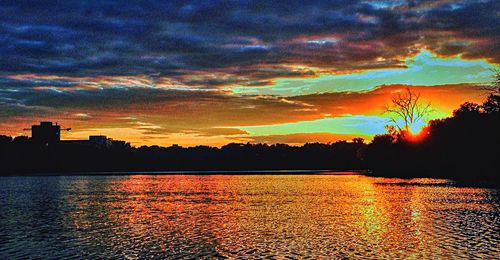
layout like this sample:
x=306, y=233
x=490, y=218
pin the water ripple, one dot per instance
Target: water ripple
x=248, y=217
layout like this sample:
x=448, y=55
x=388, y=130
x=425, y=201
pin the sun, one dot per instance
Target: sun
x=417, y=133
x=417, y=127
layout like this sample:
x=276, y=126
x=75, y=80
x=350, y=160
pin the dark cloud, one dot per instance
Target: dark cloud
x=170, y=61
x=14, y=83
x=87, y=38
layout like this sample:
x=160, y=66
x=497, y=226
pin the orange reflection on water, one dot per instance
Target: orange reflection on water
x=296, y=215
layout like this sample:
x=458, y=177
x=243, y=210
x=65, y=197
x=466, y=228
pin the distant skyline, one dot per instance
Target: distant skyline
x=214, y=72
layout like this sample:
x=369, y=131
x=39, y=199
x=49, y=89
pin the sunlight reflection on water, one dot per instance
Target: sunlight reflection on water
x=245, y=216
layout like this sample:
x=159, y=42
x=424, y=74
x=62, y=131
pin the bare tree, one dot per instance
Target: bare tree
x=408, y=108
x=496, y=82
x=494, y=86
x=492, y=103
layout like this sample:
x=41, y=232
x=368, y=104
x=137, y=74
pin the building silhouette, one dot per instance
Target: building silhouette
x=100, y=140
x=94, y=140
x=49, y=134
x=46, y=133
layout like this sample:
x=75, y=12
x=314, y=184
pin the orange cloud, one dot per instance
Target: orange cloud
x=215, y=117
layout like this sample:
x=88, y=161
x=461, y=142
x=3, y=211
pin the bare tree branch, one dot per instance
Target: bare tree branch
x=408, y=108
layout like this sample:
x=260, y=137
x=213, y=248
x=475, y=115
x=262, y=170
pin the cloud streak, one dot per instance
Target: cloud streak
x=188, y=70
x=153, y=113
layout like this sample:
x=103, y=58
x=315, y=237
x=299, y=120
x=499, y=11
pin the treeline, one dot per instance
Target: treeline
x=464, y=146
x=20, y=155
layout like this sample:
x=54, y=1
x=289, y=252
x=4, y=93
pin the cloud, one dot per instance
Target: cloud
x=83, y=116
x=191, y=69
x=220, y=115
x=171, y=38
x=425, y=68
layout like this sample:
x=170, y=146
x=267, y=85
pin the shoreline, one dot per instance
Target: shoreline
x=195, y=172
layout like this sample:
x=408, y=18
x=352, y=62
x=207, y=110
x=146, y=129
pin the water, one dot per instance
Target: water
x=297, y=216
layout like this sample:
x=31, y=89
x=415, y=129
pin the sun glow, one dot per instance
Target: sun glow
x=417, y=127
x=418, y=135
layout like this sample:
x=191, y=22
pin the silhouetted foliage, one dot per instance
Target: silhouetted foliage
x=464, y=146
x=20, y=156
x=468, y=109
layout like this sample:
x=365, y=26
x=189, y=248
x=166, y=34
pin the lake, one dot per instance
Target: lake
x=247, y=216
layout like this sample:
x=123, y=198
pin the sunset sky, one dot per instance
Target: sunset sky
x=214, y=72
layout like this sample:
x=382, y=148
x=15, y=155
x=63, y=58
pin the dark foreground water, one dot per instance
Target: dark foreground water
x=245, y=216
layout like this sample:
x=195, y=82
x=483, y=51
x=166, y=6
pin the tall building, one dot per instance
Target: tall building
x=46, y=133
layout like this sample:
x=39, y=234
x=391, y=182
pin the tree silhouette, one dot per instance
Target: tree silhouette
x=408, y=108
x=468, y=109
x=492, y=103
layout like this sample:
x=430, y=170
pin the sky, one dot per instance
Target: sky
x=215, y=72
